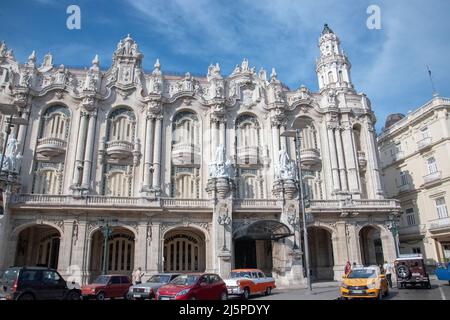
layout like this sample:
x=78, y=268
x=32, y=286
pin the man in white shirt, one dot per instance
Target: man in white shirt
x=388, y=271
x=138, y=274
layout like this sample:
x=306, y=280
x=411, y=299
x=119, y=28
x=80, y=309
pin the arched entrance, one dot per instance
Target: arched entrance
x=253, y=244
x=38, y=246
x=184, y=251
x=371, y=246
x=321, y=254
x=119, y=253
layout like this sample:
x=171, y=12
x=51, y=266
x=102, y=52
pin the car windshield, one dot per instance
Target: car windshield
x=10, y=275
x=185, y=280
x=242, y=274
x=102, y=280
x=159, y=279
x=362, y=274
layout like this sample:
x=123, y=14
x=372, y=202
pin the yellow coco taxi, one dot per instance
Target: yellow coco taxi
x=364, y=282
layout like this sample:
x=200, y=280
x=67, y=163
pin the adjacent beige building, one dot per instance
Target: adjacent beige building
x=415, y=158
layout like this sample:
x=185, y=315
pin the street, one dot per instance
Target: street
x=440, y=290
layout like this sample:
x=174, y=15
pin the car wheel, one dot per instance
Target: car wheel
x=246, y=294
x=403, y=272
x=268, y=291
x=224, y=296
x=100, y=296
x=192, y=298
x=73, y=295
x=26, y=296
x=429, y=285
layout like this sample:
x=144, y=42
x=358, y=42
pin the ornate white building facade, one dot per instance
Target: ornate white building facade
x=189, y=173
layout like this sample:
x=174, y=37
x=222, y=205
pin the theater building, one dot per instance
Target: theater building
x=117, y=168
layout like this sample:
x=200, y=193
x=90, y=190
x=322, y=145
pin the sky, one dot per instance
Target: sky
x=388, y=64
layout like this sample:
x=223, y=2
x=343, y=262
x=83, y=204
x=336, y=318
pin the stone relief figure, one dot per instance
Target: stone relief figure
x=220, y=167
x=286, y=169
x=11, y=159
x=25, y=78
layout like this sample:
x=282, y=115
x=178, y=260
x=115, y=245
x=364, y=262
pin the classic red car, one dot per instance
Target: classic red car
x=107, y=286
x=206, y=286
x=246, y=282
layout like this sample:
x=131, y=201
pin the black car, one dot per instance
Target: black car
x=35, y=283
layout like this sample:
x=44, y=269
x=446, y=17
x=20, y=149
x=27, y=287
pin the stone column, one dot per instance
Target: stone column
x=333, y=156
x=87, y=167
x=214, y=137
x=340, y=152
x=350, y=160
x=372, y=157
x=148, y=156
x=157, y=155
x=223, y=132
x=80, y=148
x=66, y=248
x=21, y=134
x=275, y=142
x=283, y=139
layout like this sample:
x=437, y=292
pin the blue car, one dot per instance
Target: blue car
x=443, y=273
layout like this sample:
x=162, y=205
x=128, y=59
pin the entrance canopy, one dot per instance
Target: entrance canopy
x=262, y=230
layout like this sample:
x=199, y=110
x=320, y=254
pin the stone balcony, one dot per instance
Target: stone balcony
x=404, y=188
x=119, y=149
x=186, y=153
x=422, y=144
x=414, y=230
x=432, y=177
x=102, y=203
x=51, y=147
x=310, y=157
x=362, y=160
x=439, y=225
x=248, y=154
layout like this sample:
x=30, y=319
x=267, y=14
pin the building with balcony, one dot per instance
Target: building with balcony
x=191, y=173
x=420, y=178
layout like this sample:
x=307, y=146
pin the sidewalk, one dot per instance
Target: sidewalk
x=328, y=290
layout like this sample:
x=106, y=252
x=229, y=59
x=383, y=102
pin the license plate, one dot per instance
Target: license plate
x=165, y=298
x=136, y=295
x=357, y=291
x=416, y=274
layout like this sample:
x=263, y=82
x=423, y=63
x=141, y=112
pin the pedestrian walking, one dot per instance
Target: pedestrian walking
x=137, y=276
x=388, y=272
x=348, y=268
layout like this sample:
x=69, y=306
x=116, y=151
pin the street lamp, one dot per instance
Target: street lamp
x=224, y=220
x=106, y=231
x=393, y=227
x=296, y=135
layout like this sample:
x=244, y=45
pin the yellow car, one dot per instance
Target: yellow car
x=364, y=282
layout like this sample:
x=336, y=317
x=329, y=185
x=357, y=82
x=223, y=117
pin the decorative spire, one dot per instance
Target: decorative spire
x=32, y=58
x=273, y=75
x=96, y=61
x=326, y=29
x=157, y=66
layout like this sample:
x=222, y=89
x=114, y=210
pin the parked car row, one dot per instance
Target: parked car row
x=40, y=283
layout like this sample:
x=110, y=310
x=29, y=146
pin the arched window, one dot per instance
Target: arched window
x=48, y=178
x=118, y=181
x=185, y=183
x=121, y=125
x=55, y=123
x=248, y=139
x=330, y=77
x=186, y=129
x=250, y=185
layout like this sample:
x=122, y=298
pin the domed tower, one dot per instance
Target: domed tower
x=333, y=66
